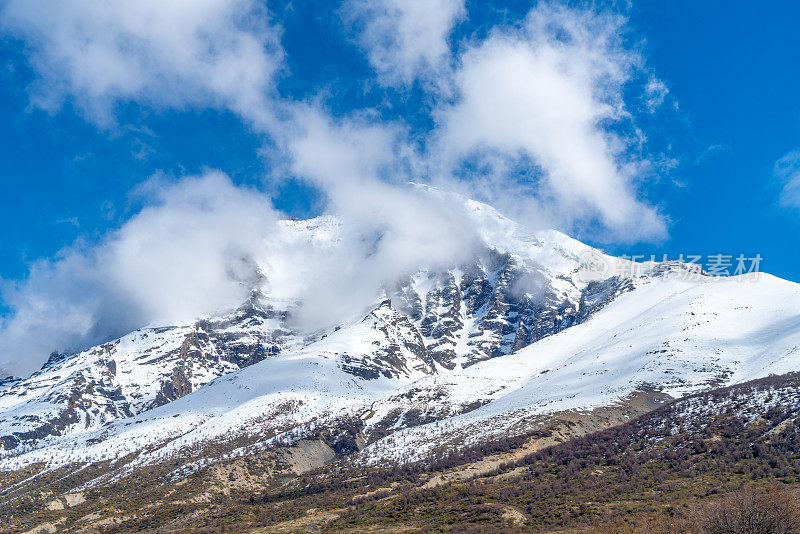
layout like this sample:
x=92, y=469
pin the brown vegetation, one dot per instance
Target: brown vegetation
x=769, y=511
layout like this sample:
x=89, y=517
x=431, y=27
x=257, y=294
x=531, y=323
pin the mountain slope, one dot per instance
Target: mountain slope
x=656, y=466
x=646, y=475
x=443, y=358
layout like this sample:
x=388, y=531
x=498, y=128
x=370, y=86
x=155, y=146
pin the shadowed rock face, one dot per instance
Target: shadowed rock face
x=494, y=307
x=398, y=349
x=146, y=369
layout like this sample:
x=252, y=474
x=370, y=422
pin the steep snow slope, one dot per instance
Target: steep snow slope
x=262, y=401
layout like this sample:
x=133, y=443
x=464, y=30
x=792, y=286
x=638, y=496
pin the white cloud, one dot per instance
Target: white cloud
x=405, y=39
x=389, y=229
x=655, y=93
x=543, y=98
x=201, y=243
x=787, y=169
x=341, y=155
x=188, y=253
x=164, y=53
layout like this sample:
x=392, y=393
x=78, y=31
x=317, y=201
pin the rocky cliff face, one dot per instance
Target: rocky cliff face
x=495, y=306
x=138, y=372
x=396, y=348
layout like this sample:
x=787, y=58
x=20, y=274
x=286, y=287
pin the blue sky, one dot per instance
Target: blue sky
x=730, y=65
x=701, y=98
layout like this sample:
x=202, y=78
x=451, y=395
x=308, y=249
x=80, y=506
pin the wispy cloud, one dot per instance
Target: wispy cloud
x=787, y=170
x=405, y=39
x=656, y=92
x=186, y=254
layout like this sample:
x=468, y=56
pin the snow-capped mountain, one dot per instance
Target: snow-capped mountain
x=443, y=357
